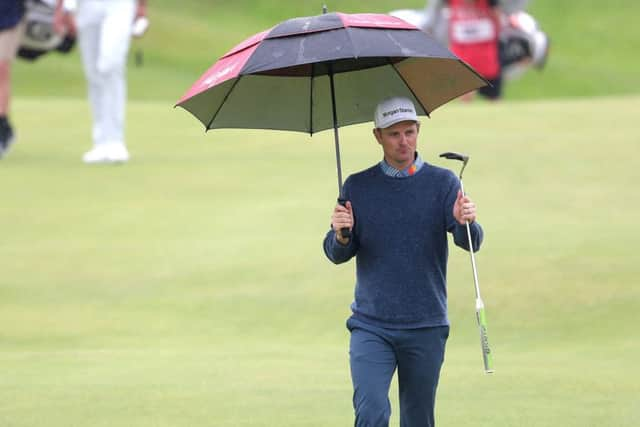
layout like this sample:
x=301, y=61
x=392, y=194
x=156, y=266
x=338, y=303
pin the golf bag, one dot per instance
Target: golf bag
x=523, y=44
x=39, y=36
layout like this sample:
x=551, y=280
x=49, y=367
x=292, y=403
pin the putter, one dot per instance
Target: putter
x=480, y=313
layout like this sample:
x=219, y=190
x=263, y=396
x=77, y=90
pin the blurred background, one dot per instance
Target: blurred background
x=591, y=46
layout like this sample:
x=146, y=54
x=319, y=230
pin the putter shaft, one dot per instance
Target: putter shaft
x=480, y=313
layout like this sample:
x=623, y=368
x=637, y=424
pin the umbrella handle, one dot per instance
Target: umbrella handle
x=344, y=232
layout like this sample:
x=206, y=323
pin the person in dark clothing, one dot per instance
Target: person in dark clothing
x=399, y=212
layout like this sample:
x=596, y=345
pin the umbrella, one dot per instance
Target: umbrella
x=320, y=72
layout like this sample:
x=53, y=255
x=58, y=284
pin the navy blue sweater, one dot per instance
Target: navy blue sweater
x=400, y=244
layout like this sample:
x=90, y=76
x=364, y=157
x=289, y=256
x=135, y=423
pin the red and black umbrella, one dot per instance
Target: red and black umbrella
x=320, y=72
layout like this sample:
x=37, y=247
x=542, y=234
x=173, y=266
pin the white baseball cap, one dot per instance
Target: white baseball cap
x=394, y=110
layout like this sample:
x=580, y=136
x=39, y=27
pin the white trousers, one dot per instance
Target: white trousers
x=104, y=35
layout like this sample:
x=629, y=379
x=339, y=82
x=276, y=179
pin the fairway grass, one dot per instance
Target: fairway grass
x=189, y=287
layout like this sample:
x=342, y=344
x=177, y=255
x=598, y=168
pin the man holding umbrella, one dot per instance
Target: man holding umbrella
x=313, y=73
x=399, y=212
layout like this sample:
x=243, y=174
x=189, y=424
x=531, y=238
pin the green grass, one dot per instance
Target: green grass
x=189, y=288
x=592, y=50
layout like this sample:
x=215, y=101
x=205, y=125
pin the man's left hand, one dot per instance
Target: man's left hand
x=464, y=210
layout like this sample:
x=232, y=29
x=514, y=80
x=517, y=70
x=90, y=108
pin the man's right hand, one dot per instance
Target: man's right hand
x=342, y=218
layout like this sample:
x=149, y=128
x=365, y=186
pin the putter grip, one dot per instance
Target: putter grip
x=344, y=232
x=484, y=341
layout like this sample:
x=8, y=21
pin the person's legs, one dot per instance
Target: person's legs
x=493, y=92
x=373, y=363
x=104, y=33
x=420, y=357
x=6, y=132
x=9, y=41
x=111, y=64
x=5, y=85
x=89, y=17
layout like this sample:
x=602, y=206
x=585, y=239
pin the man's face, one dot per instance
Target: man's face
x=399, y=143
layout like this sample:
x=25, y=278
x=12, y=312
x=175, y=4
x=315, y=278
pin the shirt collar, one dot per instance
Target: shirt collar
x=397, y=173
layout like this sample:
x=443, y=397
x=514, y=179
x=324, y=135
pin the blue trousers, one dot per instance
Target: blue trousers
x=375, y=353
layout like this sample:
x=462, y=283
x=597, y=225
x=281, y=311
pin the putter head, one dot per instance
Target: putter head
x=455, y=156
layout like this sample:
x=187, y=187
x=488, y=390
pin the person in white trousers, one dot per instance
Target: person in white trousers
x=104, y=30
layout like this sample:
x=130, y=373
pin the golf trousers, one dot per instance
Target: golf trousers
x=375, y=353
x=104, y=35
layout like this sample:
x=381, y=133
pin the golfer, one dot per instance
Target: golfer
x=399, y=212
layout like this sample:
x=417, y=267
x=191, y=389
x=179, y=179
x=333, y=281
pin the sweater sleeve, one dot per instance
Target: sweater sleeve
x=336, y=251
x=459, y=231
x=460, y=236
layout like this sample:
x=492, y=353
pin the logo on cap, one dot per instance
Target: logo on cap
x=396, y=111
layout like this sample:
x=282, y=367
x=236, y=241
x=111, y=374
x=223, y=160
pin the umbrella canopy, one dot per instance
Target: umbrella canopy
x=320, y=72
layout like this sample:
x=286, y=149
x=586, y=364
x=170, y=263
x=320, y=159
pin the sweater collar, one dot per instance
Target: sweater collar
x=397, y=173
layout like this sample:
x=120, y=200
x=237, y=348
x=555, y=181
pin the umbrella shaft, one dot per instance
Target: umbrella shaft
x=335, y=132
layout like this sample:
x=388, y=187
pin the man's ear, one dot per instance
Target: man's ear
x=376, y=133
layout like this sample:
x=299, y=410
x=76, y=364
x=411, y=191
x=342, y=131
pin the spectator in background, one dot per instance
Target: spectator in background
x=104, y=35
x=471, y=28
x=474, y=36
x=11, y=28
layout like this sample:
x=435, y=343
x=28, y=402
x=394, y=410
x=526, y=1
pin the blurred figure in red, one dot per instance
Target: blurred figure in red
x=522, y=45
x=474, y=32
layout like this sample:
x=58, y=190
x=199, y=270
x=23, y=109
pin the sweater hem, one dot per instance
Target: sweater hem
x=381, y=323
